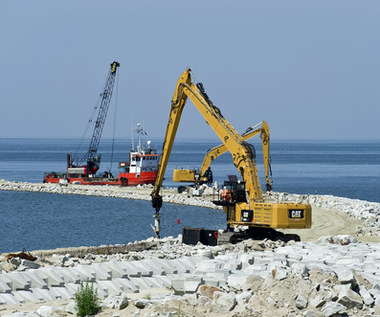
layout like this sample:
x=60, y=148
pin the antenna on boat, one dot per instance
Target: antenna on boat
x=140, y=131
x=133, y=143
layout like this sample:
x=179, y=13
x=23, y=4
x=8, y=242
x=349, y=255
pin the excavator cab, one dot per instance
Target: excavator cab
x=233, y=192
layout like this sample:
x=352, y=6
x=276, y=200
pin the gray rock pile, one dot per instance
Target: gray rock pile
x=336, y=276
x=140, y=192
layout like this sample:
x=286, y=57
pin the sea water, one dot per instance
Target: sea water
x=33, y=221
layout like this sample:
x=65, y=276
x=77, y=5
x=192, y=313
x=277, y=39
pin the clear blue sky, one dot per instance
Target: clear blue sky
x=311, y=69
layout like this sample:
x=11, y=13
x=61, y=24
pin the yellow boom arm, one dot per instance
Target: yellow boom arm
x=254, y=212
x=190, y=175
x=242, y=153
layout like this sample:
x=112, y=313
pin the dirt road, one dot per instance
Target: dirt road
x=331, y=223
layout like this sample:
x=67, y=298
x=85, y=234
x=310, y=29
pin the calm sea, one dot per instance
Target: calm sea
x=44, y=221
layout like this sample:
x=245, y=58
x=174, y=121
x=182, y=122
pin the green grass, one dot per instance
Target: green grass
x=87, y=301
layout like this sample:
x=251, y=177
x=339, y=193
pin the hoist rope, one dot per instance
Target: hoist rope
x=90, y=121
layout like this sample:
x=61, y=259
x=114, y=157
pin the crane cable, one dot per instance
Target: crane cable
x=86, y=129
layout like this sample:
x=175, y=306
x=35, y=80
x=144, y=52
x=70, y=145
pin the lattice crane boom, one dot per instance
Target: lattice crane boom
x=93, y=160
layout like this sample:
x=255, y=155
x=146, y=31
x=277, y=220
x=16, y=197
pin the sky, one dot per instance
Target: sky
x=310, y=69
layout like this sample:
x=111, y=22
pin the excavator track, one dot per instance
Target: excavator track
x=255, y=234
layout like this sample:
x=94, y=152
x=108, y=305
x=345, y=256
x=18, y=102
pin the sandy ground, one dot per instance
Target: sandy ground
x=331, y=223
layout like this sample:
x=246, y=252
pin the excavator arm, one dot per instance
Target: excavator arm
x=243, y=154
x=255, y=212
x=193, y=176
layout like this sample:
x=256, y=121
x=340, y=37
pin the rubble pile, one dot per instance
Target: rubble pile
x=334, y=276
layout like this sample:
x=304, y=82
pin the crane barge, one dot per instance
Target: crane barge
x=140, y=169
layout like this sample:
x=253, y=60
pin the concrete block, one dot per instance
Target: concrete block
x=182, y=286
x=54, y=277
x=85, y=273
x=8, y=299
x=43, y=294
x=126, y=285
x=37, y=280
x=370, y=268
x=246, y=259
x=69, y=276
x=117, y=270
x=214, y=281
x=102, y=272
x=73, y=288
x=165, y=280
x=140, y=267
x=235, y=265
x=17, y=281
x=154, y=265
x=60, y=293
x=4, y=287
x=147, y=282
x=208, y=266
x=110, y=288
x=265, y=259
x=185, y=265
x=254, y=269
x=29, y=296
x=20, y=299
x=168, y=266
x=130, y=269
x=366, y=296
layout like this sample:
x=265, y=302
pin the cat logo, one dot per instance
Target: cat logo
x=296, y=213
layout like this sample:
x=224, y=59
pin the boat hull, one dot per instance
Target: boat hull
x=131, y=179
x=124, y=179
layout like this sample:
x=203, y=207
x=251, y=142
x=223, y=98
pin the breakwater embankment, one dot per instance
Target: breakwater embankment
x=367, y=212
x=330, y=275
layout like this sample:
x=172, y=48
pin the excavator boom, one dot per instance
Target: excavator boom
x=204, y=175
x=255, y=212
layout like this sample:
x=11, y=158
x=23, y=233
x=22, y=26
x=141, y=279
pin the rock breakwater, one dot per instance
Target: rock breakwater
x=334, y=276
x=329, y=276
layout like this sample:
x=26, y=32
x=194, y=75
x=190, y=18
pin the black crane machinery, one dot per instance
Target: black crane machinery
x=92, y=158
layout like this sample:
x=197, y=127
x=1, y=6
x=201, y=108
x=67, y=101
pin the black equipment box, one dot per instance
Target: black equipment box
x=194, y=235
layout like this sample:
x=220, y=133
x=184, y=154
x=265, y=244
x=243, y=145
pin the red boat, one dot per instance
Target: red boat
x=142, y=165
x=140, y=169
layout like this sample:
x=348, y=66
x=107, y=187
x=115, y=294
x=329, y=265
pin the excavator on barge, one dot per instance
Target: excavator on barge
x=245, y=205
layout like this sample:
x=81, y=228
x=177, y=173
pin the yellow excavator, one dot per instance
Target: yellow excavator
x=204, y=174
x=244, y=205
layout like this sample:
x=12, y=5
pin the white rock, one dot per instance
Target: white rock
x=301, y=301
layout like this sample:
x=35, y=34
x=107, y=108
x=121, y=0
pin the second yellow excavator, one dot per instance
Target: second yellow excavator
x=204, y=174
x=244, y=205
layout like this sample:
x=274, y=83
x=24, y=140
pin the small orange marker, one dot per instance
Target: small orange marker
x=178, y=221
